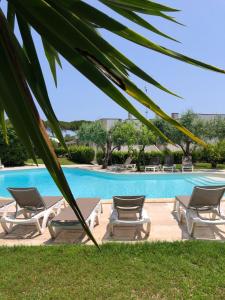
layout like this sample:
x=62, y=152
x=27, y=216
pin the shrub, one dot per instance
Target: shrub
x=60, y=152
x=146, y=158
x=119, y=157
x=81, y=154
x=215, y=153
x=13, y=153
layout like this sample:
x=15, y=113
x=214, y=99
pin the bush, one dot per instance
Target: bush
x=119, y=157
x=215, y=153
x=81, y=154
x=60, y=152
x=147, y=157
x=13, y=153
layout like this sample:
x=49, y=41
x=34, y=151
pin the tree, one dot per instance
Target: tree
x=93, y=133
x=145, y=137
x=216, y=129
x=71, y=29
x=191, y=121
x=216, y=153
x=123, y=133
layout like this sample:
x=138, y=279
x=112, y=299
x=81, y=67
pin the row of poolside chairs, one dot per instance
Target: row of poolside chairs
x=169, y=165
x=155, y=164
x=33, y=209
x=202, y=207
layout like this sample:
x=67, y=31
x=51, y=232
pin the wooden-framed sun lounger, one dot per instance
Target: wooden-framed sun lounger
x=90, y=208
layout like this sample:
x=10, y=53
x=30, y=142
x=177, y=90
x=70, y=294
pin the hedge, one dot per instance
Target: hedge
x=81, y=154
x=119, y=157
x=60, y=152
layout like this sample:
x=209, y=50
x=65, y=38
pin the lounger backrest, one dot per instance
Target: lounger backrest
x=155, y=160
x=27, y=198
x=206, y=196
x=169, y=160
x=128, y=204
x=128, y=161
x=187, y=160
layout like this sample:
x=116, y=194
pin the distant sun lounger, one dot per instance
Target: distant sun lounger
x=169, y=164
x=187, y=164
x=154, y=164
x=127, y=165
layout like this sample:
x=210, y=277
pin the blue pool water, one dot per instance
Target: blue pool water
x=86, y=183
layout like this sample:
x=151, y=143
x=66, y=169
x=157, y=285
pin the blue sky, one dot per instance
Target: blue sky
x=202, y=38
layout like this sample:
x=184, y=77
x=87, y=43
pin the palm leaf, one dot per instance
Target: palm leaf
x=32, y=127
x=102, y=20
x=36, y=78
x=140, y=21
x=52, y=57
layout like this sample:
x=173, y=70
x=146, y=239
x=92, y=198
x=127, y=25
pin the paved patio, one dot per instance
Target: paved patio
x=164, y=227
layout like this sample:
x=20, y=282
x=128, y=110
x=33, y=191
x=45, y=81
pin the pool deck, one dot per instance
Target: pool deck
x=164, y=225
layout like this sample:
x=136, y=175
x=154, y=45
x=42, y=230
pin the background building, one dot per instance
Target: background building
x=206, y=117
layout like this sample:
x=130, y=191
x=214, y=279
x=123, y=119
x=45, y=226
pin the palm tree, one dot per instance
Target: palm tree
x=70, y=28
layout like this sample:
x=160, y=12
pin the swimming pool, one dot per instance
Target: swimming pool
x=85, y=183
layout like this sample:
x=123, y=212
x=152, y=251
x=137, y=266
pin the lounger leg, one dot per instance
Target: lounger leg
x=175, y=205
x=45, y=221
x=111, y=229
x=178, y=210
x=190, y=224
x=53, y=231
x=97, y=218
x=40, y=229
x=148, y=229
x=6, y=228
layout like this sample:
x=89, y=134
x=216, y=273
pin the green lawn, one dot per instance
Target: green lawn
x=203, y=166
x=180, y=270
x=62, y=160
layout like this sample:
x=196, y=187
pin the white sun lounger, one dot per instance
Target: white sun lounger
x=129, y=211
x=127, y=165
x=169, y=164
x=187, y=164
x=91, y=208
x=202, y=207
x=31, y=208
x=154, y=164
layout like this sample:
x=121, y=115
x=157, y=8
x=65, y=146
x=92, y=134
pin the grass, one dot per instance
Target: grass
x=180, y=270
x=203, y=165
x=62, y=160
x=208, y=166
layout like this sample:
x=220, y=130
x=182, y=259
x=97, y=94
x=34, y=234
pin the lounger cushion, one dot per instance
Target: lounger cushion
x=51, y=200
x=67, y=215
x=4, y=202
x=184, y=200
